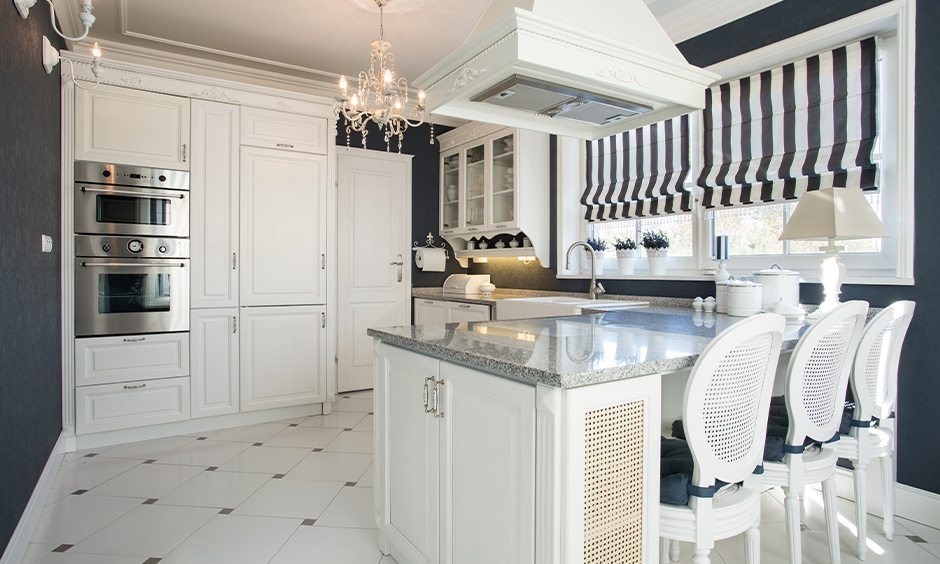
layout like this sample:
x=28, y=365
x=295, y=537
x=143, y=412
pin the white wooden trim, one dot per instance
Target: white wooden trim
x=691, y=19
x=918, y=505
x=67, y=253
x=23, y=534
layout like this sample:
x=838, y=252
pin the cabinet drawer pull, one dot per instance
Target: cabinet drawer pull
x=435, y=394
x=427, y=394
x=285, y=145
x=234, y=261
x=500, y=226
x=429, y=302
x=135, y=339
x=234, y=324
x=137, y=387
x=184, y=152
x=465, y=306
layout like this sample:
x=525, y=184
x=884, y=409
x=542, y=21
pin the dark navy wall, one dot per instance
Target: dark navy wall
x=919, y=379
x=30, y=336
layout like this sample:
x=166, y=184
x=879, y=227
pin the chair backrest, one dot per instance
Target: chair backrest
x=727, y=400
x=875, y=374
x=818, y=373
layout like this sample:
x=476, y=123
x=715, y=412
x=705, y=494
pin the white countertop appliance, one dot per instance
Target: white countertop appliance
x=465, y=284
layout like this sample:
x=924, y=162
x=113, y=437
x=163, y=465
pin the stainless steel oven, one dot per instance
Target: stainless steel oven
x=127, y=200
x=129, y=285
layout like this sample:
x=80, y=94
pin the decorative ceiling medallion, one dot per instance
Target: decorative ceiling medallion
x=393, y=7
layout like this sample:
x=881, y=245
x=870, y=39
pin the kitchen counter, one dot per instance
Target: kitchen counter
x=508, y=294
x=580, y=350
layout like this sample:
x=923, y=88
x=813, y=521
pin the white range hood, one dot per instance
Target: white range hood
x=598, y=67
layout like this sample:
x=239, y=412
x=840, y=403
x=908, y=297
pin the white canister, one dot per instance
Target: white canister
x=744, y=298
x=779, y=284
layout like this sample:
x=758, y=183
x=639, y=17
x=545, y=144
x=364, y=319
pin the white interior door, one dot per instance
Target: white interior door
x=373, y=233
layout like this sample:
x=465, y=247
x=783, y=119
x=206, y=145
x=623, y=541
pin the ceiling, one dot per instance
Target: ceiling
x=319, y=40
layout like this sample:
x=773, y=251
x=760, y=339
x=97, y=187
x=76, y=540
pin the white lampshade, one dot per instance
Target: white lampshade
x=833, y=214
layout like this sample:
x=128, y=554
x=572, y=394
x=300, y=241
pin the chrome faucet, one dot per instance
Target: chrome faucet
x=596, y=289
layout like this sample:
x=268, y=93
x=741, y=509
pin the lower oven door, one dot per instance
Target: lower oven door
x=127, y=296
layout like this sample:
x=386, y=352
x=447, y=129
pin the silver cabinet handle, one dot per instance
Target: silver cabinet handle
x=131, y=264
x=285, y=145
x=234, y=324
x=137, y=387
x=399, y=263
x=135, y=339
x=427, y=394
x=323, y=320
x=323, y=261
x=234, y=261
x=184, y=152
x=465, y=306
x=437, y=399
x=136, y=193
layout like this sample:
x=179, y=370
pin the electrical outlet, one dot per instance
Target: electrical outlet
x=46, y=244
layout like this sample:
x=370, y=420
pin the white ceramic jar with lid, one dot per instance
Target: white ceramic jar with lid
x=744, y=298
x=779, y=284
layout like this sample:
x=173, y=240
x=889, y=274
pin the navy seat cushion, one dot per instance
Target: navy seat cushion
x=675, y=471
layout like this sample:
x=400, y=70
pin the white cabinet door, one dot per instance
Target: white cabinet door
x=214, y=205
x=283, y=358
x=282, y=228
x=458, y=312
x=430, y=312
x=407, y=441
x=107, y=360
x=133, y=127
x=111, y=407
x=488, y=467
x=213, y=337
x=288, y=132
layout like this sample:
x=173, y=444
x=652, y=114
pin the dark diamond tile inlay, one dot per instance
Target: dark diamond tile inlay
x=79, y=492
x=318, y=450
x=294, y=425
x=308, y=522
x=916, y=538
x=257, y=444
x=212, y=469
x=152, y=560
x=91, y=454
x=348, y=429
x=62, y=547
x=226, y=511
x=150, y=461
x=150, y=501
x=279, y=476
x=350, y=484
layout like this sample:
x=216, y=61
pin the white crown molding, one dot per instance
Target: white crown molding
x=696, y=18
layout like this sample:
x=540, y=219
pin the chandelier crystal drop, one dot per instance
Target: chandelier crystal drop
x=380, y=97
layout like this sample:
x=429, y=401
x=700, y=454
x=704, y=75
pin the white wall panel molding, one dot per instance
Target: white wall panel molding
x=686, y=20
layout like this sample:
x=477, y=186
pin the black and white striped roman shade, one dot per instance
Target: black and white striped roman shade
x=807, y=125
x=639, y=173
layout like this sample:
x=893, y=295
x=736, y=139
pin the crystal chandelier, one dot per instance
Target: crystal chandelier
x=380, y=97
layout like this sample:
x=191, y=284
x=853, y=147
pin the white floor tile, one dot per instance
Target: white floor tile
x=72, y=456
x=205, y=453
x=302, y=499
x=35, y=551
x=250, y=433
x=85, y=473
x=367, y=480
x=388, y=560
x=367, y=425
x=304, y=437
x=335, y=466
x=147, y=450
x=75, y=517
x=293, y=421
x=234, y=539
x=364, y=405
x=216, y=489
x=932, y=547
x=134, y=533
x=324, y=545
x=929, y=534
x=339, y=420
x=352, y=507
x=55, y=494
x=351, y=441
x=76, y=558
x=147, y=481
x=265, y=459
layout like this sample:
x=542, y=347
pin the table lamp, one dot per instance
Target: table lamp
x=832, y=214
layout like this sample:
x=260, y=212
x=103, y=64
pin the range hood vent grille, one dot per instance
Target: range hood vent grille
x=555, y=101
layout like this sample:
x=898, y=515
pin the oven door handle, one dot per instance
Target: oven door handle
x=160, y=195
x=135, y=265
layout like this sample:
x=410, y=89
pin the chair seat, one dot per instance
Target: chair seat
x=733, y=513
x=881, y=443
x=819, y=464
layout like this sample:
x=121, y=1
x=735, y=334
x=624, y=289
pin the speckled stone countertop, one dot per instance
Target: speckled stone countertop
x=508, y=294
x=574, y=351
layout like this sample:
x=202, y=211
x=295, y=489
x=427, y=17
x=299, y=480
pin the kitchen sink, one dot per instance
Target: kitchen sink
x=556, y=306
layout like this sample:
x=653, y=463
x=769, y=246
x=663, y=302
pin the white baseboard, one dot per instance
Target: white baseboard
x=23, y=534
x=918, y=505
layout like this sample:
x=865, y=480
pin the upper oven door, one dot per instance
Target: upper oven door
x=126, y=210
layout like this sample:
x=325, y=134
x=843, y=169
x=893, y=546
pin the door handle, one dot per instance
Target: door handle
x=437, y=399
x=399, y=263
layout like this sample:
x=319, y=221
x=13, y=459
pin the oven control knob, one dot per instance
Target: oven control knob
x=162, y=178
x=106, y=248
x=162, y=248
x=135, y=246
x=106, y=173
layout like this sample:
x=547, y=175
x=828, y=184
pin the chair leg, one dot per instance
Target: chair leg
x=701, y=556
x=752, y=545
x=861, y=508
x=832, y=519
x=674, y=550
x=888, y=483
x=791, y=504
x=663, y=550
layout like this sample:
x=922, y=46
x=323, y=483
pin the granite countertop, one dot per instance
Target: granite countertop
x=574, y=351
x=508, y=294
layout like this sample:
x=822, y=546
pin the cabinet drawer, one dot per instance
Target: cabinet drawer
x=111, y=407
x=457, y=312
x=279, y=130
x=106, y=360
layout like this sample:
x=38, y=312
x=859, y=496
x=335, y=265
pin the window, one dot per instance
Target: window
x=753, y=230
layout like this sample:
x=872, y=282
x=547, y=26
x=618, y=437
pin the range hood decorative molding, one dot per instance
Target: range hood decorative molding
x=622, y=73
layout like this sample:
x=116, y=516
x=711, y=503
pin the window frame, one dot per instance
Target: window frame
x=894, y=23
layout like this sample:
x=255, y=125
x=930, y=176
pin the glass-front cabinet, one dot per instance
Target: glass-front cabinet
x=502, y=208
x=450, y=192
x=475, y=157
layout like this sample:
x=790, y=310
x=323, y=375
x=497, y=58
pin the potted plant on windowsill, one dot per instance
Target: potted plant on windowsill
x=599, y=246
x=656, y=244
x=626, y=254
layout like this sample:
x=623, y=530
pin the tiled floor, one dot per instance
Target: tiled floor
x=300, y=491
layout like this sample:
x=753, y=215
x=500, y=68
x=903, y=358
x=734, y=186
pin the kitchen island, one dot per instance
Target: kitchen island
x=532, y=440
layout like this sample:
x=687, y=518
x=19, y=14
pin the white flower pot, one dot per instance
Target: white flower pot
x=625, y=260
x=657, y=260
x=599, y=261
